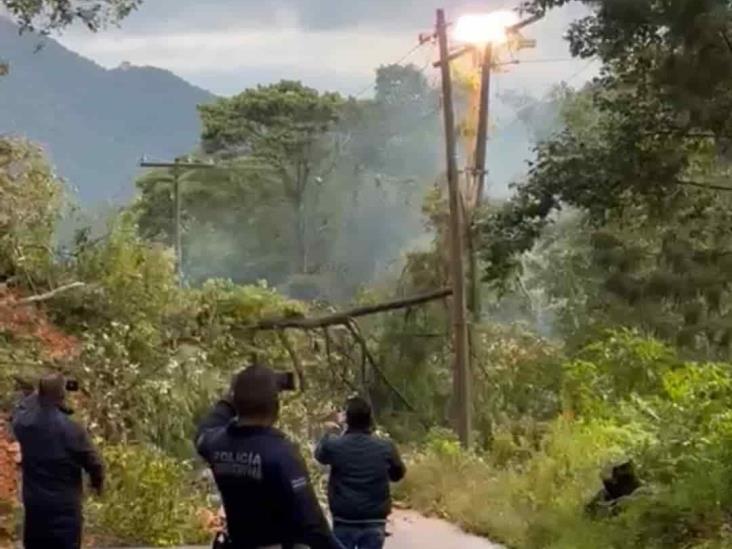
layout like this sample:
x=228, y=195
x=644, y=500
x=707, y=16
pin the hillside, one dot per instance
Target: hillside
x=95, y=123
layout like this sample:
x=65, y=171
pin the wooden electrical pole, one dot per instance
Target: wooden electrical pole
x=461, y=369
x=480, y=173
x=176, y=166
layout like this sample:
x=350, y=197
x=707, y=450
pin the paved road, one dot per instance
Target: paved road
x=412, y=531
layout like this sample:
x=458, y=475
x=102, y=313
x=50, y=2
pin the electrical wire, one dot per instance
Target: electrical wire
x=399, y=61
x=581, y=70
x=536, y=61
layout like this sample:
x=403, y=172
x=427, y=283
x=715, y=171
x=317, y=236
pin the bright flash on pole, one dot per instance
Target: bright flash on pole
x=485, y=28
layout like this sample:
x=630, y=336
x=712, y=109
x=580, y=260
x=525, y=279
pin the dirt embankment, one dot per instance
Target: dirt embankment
x=9, y=461
x=22, y=323
x=29, y=322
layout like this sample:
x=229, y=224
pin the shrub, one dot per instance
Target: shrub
x=630, y=398
x=150, y=499
x=521, y=505
x=30, y=203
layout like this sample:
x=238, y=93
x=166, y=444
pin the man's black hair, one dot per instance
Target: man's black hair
x=358, y=414
x=52, y=389
x=255, y=392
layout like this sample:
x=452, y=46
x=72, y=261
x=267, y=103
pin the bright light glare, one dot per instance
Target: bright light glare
x=484, y=28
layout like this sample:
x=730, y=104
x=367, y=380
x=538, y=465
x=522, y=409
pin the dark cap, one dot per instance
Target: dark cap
x=255, y=392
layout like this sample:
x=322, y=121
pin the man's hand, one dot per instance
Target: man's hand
x=15, y=452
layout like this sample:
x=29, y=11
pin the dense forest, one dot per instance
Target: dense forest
x=605, y=330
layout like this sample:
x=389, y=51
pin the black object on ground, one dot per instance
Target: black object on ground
x=619, y=484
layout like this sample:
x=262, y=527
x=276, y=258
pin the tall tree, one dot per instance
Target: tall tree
x=361, y=214
x=288, y=127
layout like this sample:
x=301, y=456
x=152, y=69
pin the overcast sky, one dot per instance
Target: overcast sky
x=226, y=46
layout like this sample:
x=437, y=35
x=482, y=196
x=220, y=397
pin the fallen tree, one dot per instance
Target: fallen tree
x=345, y=317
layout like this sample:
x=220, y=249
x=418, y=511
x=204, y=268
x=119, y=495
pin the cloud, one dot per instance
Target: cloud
x=350, y=57
x=305, y=14
x=223, y=44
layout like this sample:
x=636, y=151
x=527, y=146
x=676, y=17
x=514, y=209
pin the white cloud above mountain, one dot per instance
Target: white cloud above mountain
x=226, y=45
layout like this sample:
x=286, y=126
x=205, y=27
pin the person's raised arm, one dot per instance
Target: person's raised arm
x=323, y=451
x=219, y=416
x=307, y=516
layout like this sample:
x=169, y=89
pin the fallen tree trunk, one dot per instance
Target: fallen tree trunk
x=344, y=317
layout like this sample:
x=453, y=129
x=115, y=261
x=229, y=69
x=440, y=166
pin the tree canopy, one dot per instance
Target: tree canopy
x=643, y=156
x=353, y=171
x=48, y=15
x=286, y=126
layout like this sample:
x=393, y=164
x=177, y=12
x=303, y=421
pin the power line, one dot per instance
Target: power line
x=581, y=70
x=397, y=62
x=536, y=61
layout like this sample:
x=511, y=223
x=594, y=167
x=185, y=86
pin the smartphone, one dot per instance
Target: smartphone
x=286, y=381
x=72, y=385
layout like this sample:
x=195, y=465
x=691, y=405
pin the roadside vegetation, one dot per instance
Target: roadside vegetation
x=607, y=306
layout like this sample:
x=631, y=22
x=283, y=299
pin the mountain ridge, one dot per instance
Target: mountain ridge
x=95, y=123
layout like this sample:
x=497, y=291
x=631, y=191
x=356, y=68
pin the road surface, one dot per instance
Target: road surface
x=413, y=531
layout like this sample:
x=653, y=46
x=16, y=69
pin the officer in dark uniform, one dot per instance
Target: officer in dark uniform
x=265, y=487
x=55, y=450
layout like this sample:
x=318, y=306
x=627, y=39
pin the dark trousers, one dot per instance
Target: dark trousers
x=49, y=528
x=368, y=536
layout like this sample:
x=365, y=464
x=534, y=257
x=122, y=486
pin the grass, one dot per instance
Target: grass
x=527, y=504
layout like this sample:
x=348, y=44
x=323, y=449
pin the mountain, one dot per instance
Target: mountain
x=95, y=123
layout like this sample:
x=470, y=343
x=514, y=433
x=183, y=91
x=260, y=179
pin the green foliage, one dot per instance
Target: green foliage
x=149, y=499
x=286, y=126
x=606, y=372
x=30, y=202
x=652, y=134
x=136, y=281
x=630, y=397
x=679, y=48
x=48, y=15
x=517, y=376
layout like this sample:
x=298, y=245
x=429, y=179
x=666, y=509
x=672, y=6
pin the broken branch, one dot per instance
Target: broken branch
x=48, y=295
x=356, y=332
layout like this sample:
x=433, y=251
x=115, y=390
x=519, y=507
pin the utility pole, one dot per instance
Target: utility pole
x=176, y=167
x=479, y=172
x=461, y=369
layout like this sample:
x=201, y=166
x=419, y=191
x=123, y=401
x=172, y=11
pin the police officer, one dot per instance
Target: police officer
x=264, y=484
x=55, y=450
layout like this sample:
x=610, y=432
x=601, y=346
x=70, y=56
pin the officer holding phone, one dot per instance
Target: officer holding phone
x=55, y=451
x=264, y=484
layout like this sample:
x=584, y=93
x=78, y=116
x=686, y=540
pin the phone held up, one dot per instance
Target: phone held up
x=72, y=385
x=286, y=381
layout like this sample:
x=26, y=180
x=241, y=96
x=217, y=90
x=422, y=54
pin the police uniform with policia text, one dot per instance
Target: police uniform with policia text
x=266, y=491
